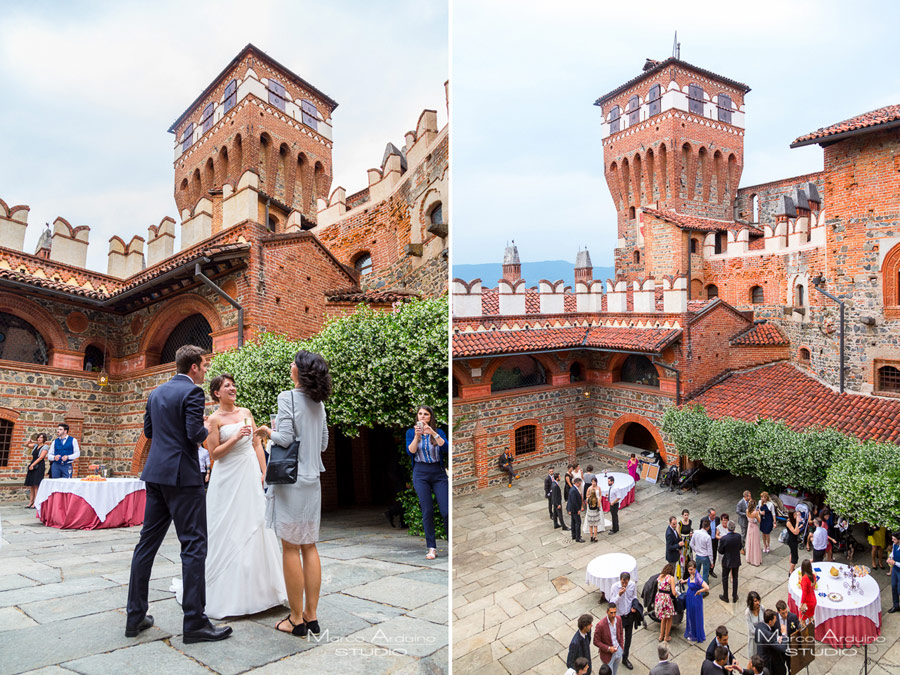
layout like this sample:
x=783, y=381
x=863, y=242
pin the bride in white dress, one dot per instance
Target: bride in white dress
x=243, y=562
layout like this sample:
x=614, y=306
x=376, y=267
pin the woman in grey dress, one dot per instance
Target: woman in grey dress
x=293, y=511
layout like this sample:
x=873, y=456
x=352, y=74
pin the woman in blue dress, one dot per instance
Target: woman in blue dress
x=766, y=519
x=693, y=604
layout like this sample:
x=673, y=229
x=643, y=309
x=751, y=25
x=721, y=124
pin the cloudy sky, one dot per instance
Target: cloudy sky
x=527, y=158
x=89, y=89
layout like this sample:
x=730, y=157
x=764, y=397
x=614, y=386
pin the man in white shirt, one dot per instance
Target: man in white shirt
x=701, y=545
x=63, y=452
x=623, y=594
x=820, y=541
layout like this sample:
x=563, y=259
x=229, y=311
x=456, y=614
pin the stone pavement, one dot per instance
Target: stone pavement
x=519, y=585
x=62, y=596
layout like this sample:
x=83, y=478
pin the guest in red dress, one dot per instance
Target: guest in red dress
x=807, y=591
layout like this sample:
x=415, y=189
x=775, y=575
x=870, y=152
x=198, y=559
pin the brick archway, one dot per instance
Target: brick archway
x=890, y=275
x=139, y=454
x=169, y=316
x=39, y=318
x=617, y=432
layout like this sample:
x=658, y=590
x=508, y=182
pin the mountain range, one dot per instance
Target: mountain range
x=532, y=272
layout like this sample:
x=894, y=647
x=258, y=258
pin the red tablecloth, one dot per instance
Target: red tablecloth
x=69, y=511
x=628, y=499
x=843, y=632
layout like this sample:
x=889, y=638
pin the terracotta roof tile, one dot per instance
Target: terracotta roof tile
x=687, y=222
x=874, y=118
x=767, y=334
x=782, y=392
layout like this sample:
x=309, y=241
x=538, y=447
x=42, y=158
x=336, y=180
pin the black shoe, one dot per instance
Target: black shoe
x=565, y=529
x=893, y=609
x=627, y=664
x=611, y=533
x=313, y=627
x=209, y=634
x=145, y=623
x=734, y=599
x=556, y=527
x=713, y=574
x=580, y=540
x=724, y=598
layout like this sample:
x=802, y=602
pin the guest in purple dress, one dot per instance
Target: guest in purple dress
x=633, y=465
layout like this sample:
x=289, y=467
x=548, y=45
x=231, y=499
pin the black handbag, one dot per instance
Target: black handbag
x=283, y=461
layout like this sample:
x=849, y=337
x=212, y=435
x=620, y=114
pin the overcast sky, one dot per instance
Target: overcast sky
x=90, y=88
x=527, y=157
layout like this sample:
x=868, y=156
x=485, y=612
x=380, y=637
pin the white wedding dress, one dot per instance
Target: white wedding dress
x=243, y=562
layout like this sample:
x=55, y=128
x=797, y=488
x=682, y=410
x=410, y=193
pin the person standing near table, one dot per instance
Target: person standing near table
x=594, y=514
x=37, y=467
x=819, y=538
x=623, y=593
x=609, y=636
x=787, y=624
x=894, y=564
x=580, y=645
x=772, y=647
x=741, y=511
x=766, y=520
x=613, y=505
x=573, y=506
x=556, y=504
x=63, y=452
x=808, y=599
x=793, y=538
x=548, y=487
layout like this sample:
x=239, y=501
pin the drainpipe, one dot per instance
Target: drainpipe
x=198, y=274
x=817, y=282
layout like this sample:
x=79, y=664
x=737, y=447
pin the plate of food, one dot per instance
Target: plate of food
x=835, y=597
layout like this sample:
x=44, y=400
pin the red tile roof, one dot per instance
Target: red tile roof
x=687, y=222
x=782, y=392
x=651, y=340
x=767, y=334
x=889, y=115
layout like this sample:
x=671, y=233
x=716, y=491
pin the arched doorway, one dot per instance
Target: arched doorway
x=634, y=433
x=638, y=436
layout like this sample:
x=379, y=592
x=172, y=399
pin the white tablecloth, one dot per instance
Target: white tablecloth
x=868, y=604
x=622, y=485
x=102, y=496
x=604, y=570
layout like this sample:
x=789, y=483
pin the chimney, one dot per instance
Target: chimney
x=160, y=241
x=512, y=268
x=584, y=270
x=125, y=261
x=69, y=244
x=13, y=222
x=467, y=298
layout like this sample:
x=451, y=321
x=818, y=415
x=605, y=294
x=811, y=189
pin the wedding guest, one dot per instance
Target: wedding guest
x=701, y=545
x=614, y=498
x=548, y=487
x=714, y=521
x=64, y=450
x=753, y=615
x=741, y=511
x=752, y=542
x=633, y=465
x=574, y=507
x=664, y=666
x=757, y=666
x=877, y=536
x=556, y=504
x=580, y=667
x=793, y=539
x=721, y=531
x=609, y=636
x=685, y=529
x=718, y=663
x=730, y=548
x=807, y=591
x=580, y=645
x=428, y=448
x=894, y=563
x=37, y=466
x=624, y=593
x=506, y=463
x=594, y=513
x=693, y=601
x=567, y=482
x=772, y=646
x=788, y=623
x=829, y=524
x=577, y=473
x=820, y=539
x=589, y=476
x=665, y=601
x=766, y=519
x=673, y=545
x=720, y=640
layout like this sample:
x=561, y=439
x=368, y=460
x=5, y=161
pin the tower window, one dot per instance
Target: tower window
x=276, y=94
x=725, y=111
x=889, y=379
x=631, y=212
x=721, y=242
x=799, y=296
x=695, y=246
x=639, y=370
x=712, y=291
x=363, y=264
x=756, y=295
x=436, y=217
x=633, y=110
x=804, y=355
x=575, y=372
x=654, y=99
x=309, y=115
x=230, y=95
x=187, y=138
x=637, y=257
x=614, y=115
x=695, y=99
x=207, y=119
x=754, y=203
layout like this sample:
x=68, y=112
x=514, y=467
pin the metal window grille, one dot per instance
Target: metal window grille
x=363, y=264
x=654, y=100
x=19, y=341
x=230, y=95
x=889, y=379
x=194, y=330
x=756, y=295
x=6, y=429
x=207, y=117
x=804, y=354
x=639, y=370
x=519, y=372
x=526, y=439
x=187, y=140
x=695, y=99
x=725, y=108
x=634, y=111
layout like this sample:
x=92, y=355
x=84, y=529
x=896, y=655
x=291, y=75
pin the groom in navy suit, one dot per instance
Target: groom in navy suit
x=174, y=423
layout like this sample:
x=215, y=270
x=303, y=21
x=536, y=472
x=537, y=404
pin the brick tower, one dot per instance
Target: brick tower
x=255, y=145
x=673, y=140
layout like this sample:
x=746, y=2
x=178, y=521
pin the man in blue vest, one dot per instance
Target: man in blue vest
x=63, y=452
x=894, y=562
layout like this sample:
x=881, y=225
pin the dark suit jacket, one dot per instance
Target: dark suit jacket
x=573, y=505
x=730, y=550
x=673, y=551
x=505, y=460
x=712, y=668
x=555, y=495
x=174, y=423
x=579, y=646
x=603, y=637
x=710, y=652
x=768, y=648
x=548, y=484
x=665, y=668
x=793, y=623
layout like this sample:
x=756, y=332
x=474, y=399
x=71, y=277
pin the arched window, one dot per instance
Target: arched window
x=633, y=110
x=20, y=341
x=799, y=296
x=517, y=372
x=631, y=213
x=436, y=215
x=363, y=264
x=754, y=200
x=194, y=330
x=890, y=274
x=725, y=110
x=804, y=355
x=695, y=246
x=614, y=116
x=639, y=370
x=6, y=431
x=637, y=257
x=93, y=359
x=756, y=295
x=526, y=439
x=653, y=98
x=712, y=291
x=695, y=99
x=889, y=379
x=575, y=372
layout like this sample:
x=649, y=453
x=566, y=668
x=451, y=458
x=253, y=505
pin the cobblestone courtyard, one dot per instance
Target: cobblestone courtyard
x=62, y=596
x=519, y=585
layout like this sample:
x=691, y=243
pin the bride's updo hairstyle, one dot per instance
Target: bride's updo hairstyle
x=217, y=383
x=313, y=375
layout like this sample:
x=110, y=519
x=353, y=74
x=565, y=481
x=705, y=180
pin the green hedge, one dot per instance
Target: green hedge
x=859, y=479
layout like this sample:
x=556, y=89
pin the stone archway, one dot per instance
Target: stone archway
x=638, y=432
